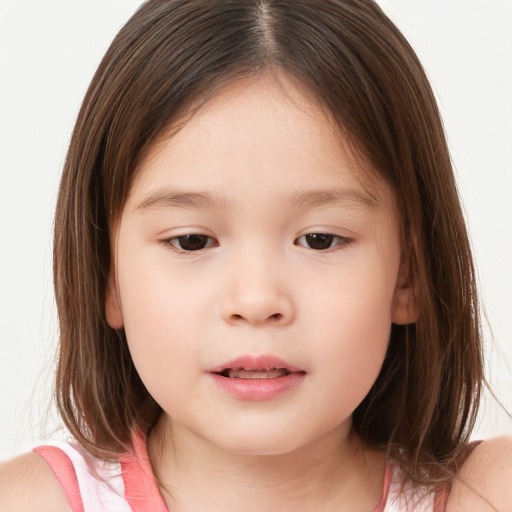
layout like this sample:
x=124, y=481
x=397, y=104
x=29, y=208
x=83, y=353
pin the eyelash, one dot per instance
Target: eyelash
x=334, y=242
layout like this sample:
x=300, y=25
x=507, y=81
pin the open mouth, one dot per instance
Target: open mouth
x=256, y=377
x=244, y=373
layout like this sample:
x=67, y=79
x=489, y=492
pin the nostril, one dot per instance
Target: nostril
x=276, y=317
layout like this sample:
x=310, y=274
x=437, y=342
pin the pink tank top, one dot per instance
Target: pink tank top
x=129, y=485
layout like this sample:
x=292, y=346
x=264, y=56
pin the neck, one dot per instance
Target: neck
x=334, y=472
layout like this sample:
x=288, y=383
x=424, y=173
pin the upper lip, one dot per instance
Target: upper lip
x=255, y=362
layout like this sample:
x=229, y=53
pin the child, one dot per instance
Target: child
x=265, y=289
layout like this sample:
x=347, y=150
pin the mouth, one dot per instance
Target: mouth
x=256, y=378
x=255, y=367
x=259, y=373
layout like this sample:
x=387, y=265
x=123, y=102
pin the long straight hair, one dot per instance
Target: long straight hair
x=358, y=66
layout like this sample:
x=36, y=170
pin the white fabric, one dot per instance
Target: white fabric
x=407, y=498
x=101, y=483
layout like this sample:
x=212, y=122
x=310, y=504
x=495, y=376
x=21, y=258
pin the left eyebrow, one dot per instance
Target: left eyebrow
x=347, y=198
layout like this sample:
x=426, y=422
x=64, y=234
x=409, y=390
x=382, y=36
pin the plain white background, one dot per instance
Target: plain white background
x=48, y=53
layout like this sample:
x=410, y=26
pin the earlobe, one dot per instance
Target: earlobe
x=113, y=310
x=405, y=308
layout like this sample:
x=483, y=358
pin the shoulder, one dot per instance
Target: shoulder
x=28, y=483
x=484, y=482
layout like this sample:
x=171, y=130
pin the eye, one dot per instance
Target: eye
x=321, y=241
x=190, y=243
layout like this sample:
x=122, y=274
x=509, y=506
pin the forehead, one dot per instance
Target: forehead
x=260, y=134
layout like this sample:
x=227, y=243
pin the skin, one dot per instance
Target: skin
x=258, y=287
x=269, y=162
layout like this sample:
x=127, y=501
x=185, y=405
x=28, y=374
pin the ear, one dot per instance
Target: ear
x=404, y=309
x=113, y=310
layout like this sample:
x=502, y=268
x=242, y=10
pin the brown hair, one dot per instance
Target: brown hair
x=357, y=64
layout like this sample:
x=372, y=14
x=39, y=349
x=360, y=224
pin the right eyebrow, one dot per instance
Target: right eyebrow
x=177, y=199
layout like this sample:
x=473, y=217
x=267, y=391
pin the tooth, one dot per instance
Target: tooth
x=242, y=373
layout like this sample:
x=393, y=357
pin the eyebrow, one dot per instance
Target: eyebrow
x=341, y=197
x=310, y=199
x=168, y=198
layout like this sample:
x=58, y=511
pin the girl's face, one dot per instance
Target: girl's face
x=257, y=276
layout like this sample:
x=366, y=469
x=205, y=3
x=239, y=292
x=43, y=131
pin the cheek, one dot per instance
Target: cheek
x=354, y=367
x=351, y=324
x=354, y=345
x=159, y=296
x=166, y=317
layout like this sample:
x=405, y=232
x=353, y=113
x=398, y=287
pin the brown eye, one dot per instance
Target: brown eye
x=191, y=242
x=321, y=241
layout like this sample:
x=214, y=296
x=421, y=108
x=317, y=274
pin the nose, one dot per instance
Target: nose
x=257, y=294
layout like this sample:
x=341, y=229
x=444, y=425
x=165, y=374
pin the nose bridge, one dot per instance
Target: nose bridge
x=257, y=290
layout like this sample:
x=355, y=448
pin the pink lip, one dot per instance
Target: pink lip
x=256, y=389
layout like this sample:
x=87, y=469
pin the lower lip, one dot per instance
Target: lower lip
x=258, y=389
